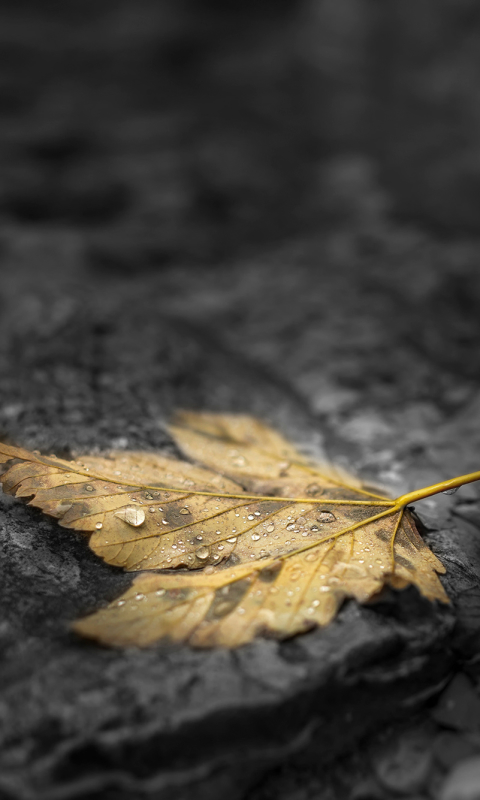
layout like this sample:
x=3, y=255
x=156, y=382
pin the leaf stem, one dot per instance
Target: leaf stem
x=436, y=488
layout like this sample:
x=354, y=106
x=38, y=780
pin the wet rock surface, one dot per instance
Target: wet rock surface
x=88, y=363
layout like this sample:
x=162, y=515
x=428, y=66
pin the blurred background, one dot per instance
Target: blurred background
x=173, y=129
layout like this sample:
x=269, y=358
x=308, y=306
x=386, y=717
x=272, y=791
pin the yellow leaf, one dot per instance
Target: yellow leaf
x=282, y=542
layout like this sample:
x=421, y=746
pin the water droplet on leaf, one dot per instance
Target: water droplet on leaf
x=325, y=517
x=132, y=516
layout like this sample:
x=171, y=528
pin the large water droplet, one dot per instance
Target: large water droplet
x=250, y=516
x=132, y=516
x=202, y=553
x=326, y=516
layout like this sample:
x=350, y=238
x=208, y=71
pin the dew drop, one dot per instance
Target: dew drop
x=311, y=556
x=300, y=520
x=132, y=516
x=270, y=528
x=257, y=513
x=165, y=521
x=202, y=553
x=121, y=603
x=151, y=510
x=250, y=516
x=255, y=537
x=99, y=526
x=315, y=603
x=326, y=516
x=291, y=527
x=209, y=570
x=451, y=491
x=89, y=488
x=140, y=596
x=220, y=547
x=184, y=510
x=313, y=489
x=218, y=533
x=160, y=592
x=232, y=540
x=148, y=496
x=199, y=538
x=241, y=610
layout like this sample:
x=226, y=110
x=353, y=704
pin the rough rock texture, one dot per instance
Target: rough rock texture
x=87, y=363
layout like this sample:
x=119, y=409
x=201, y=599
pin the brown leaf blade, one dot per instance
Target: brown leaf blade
x=283, y=597
x=276, y=542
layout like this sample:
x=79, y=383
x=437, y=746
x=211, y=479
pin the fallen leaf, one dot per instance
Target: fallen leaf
x=282, y=542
